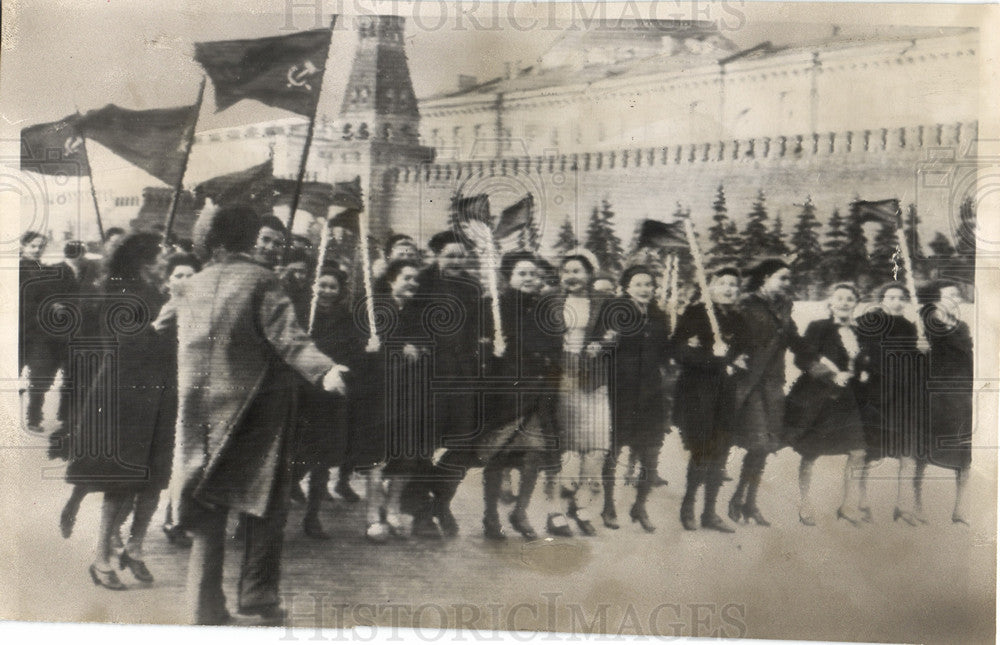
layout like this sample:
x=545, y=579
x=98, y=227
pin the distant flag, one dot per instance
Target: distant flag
x=317, y=197
x=281, y=71
x=54, y=148
x=661, y=235
x=469, y=209
x=154, y=140
x=885, y=212
x=253, y=186
x=515, y=217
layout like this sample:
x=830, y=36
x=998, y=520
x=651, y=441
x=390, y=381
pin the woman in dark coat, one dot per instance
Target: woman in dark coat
x=892, y=398
x=324, y=422
x=642, y=351
x=822, y=414
x=946, y=439
x=703, y=398
x=759, y=393
x=521, y=427
x=124, y=449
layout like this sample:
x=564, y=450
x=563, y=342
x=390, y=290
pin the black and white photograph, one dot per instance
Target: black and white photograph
x=493, y=321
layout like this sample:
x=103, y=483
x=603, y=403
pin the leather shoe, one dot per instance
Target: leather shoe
x=137, y=567
x=343, y=488
x=557, y=525
x=107, y=579
x=610, y=520
x=586, y=527
x=715, y=523
x=492, y=529
x=314, y=529
x=268, y=615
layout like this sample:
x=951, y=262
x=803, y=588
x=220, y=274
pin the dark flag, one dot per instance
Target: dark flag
x=515, y=218
x=253, y=186
x=154, y=140
x=281, y=71
x=317, y=197
x=884, y=212
x=470, y=209
x=661, y=235
x=54, y=148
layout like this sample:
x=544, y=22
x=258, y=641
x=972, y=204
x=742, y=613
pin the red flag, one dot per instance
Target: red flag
x=317, y=197
x=281, y=71
x=54, y=148
x=253, y=186
x=885, y=212
x=514, y=218
x=467, y=209
x=154, y=140
x=658, y=234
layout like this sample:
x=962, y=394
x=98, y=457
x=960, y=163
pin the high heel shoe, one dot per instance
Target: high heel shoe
x=610, y=519
x=556, y=524
x=735, y=510
x=492, y=530
x=312, y=527
x=715, y=523
x=807, y=519
x=851, y=519
x=866, y=515
x=639, y=515
x=957, y=518
x=106, y=579
x=906, y=516
x=137, y=567
x=754, y=514
x=177, y=536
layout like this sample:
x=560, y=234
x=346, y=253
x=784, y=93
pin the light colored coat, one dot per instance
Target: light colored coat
x=237, y=339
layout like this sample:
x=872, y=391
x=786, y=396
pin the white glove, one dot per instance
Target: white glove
x=720, y=349
x=842, y=379
x=333, y=382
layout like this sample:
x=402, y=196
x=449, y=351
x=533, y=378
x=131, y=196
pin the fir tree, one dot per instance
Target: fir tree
x=602, y=241
x=885, y=256
x=566, y=241
x=967, y=228
x=756, y=237
x=806, y=247
x=832, y=265
x=856, y=265
x=911, y=233
x=722, y=234
x=776, y=238
x=941, y=247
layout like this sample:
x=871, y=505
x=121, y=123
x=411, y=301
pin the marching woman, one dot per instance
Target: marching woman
x=642, y=336
x=703, y=399
x=759, y=393
x=522, y=430
x=126, y=451
x=892, y=398
x=946, y=439
x=389, y=414
x=324, y=422
x=583, y=408
x=823, y=415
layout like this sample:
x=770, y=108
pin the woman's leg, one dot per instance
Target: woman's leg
x=111, y=508
x=854, y=470
x=756, y=473
x=492, y=481
x=715, y=469
x=375, y=504
x=588, y=488
x=400, y=523
x=958, y=515
x=67, y=518
x=905, y=492
x=144, y=508
x=918, y=491
x=648, y=458
x=608, y=472
x=807, y=514
x=695, y=478
x=739, y=496
x=526, y=487
x=319, y=476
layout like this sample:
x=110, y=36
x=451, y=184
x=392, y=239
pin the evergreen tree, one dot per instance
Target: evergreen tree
x=941, y=247
x=602, y=240
x=856, y=263
x=885, y=259
x=776, y=238
x=566, y=241
x=911, y=233
x=722, y=233
x=806, y=247
x=832, y=264
x=965, y=249
x=756, y=238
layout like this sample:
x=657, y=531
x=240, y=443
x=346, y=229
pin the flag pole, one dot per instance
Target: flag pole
x=665, y=281
x=93, y=191
x=911, y=283
x=297, y=191
x=367, y=278
x=324, y=245
x=499, y=345
x=674, y=280
x=699, y=270
x=175, y=198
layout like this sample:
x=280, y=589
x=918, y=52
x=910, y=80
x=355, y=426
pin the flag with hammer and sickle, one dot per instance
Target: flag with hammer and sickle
x=281, y=71
x=54, y=148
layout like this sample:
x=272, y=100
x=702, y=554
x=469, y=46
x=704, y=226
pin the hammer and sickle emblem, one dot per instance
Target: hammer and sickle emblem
x=299, y=76
x=72, y=145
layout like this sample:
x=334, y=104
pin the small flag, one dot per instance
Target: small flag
x=515, y=218
x=54, y=148
x=253, y=186
x=885, y=212
x=468, y=209
x=658, y=234
x=281, y=71
x=317, y=197
x=154, y=140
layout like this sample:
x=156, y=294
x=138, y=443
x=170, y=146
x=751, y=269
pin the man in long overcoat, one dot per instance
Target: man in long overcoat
x=238, y=344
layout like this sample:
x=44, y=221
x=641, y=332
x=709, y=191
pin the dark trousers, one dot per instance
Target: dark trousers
x=648, y=457
x=260, y=572
x=42, y=369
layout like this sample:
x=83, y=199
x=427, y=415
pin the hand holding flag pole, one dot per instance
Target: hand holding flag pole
x=324, y=246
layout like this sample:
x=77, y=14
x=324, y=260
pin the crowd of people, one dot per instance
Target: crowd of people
x=245, y=371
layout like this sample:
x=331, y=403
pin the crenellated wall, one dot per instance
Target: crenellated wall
x=831, y=167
